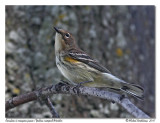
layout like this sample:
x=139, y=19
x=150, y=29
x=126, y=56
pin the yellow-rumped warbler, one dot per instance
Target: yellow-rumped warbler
x=77, y=67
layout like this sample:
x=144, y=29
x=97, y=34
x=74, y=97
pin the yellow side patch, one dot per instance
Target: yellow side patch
x=69, y=59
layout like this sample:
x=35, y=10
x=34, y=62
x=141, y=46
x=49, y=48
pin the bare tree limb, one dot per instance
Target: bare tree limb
x=62, y=88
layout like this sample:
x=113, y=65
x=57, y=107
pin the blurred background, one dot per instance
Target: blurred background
x=121, y=38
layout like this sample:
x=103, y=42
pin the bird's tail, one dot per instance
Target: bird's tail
x=133, y=90
x=116, y=83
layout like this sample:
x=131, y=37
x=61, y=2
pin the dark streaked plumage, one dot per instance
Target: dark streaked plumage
x=83, y=57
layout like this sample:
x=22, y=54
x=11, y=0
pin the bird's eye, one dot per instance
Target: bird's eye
x=67, y=35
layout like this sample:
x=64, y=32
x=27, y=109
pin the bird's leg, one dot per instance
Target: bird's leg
x=76, y=88
x=65, y=82
x=80, y=84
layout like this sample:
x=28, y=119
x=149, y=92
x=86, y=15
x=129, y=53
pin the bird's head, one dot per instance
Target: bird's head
x=63, y=40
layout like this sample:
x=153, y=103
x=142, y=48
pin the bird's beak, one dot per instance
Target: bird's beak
x=57, y=30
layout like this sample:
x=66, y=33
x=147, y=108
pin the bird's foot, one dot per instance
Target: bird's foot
x=76, y=88
x=60, y=84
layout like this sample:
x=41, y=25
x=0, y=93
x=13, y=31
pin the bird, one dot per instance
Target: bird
x=80, y=68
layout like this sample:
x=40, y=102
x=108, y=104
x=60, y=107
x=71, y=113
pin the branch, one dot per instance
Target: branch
x=62, y=88
x=51, y=107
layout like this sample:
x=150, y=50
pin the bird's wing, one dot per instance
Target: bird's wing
x=81, y=56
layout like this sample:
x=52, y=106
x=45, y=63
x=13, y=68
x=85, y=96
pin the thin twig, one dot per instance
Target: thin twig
x=51, y=107
x=69, y=89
